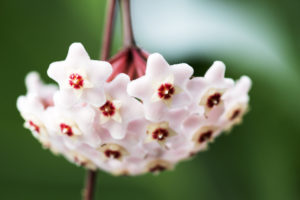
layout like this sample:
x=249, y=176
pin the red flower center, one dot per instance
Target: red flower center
x=205, y=136
x=35, y=127
x=66, y=129
x=76, y=81
x=108, y=109
x=213, y=100
x=112, y=154
x=157, y=168
x=160, y=134
x=166, y=90
x=235, y=114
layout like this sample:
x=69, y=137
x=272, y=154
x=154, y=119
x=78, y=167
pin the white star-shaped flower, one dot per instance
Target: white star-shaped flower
x=32, y=111
x=120, y=108
x=201, y=131
x=79, y=77
x=162, y=88
x=75, y=126
x=33, y=105
x=207, y=91
x=236, y=102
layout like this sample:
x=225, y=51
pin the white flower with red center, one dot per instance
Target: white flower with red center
x=162, y=88
x=204, y=135
x=159, y=132
x=201, y=131
x=207, y=91
x=113, y=151
x=79, y=77
x=33, y=105
x=165, y=91
x=76, y=126
x=236, y=102
x=38, y=130
x=110, y=110
x=159, y=165
x=159, y=140
x=44, y=92
x=120, y=108
x=35, y=126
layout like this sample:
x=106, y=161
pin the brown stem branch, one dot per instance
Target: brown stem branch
x=127, y=25
x=108, y=29
x=90, y=181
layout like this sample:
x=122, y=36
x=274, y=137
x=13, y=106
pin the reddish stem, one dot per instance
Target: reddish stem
x=108, y=29
x=118, y=55
x=127, y=26
x=140, y=63
x=88, y=192
x=118, y=67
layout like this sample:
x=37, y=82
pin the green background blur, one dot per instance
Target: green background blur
x=258, y=160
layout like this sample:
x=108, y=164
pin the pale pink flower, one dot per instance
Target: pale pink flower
x=119, y=108
x=32, y=106
x=79, y=77
x=44, y=92
x=32, y=111
x=162, y=88
x=236, y=102
x=201, y=131
x=207, y=91
x=75, y=125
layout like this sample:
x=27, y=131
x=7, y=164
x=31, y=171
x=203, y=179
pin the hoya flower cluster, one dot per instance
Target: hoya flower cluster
x=128, y=126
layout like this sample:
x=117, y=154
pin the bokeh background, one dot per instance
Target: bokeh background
x=258, y=160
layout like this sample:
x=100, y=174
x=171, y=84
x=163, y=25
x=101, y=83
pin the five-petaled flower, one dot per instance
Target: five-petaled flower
x=236, y=102
x=157, y=166
x=159, y=132
x=207, y=91
x=120, y=108
x=113, y=151
x=162, y=88
x=79, y=77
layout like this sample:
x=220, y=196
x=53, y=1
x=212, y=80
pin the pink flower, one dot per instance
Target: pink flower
x=120, y=108
x=74, y=125
x=201, y=131
x=79, y=77
x=207, y=91
x=162, y=88
x=32, y=106
x=236, y=102
x=32, y=110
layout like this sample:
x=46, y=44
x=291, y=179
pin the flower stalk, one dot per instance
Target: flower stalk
x=127, y=25
x=90, y=184
x=108, y=29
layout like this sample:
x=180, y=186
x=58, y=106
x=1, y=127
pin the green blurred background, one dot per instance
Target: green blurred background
x=258, y=160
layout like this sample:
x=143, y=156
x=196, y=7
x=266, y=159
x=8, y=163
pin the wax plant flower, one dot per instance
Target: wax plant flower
x=131, y=114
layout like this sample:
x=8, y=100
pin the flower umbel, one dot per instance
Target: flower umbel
x=147, y=120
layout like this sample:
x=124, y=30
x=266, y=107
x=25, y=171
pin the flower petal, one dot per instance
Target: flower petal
x=216, y=71
x=157, y=66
